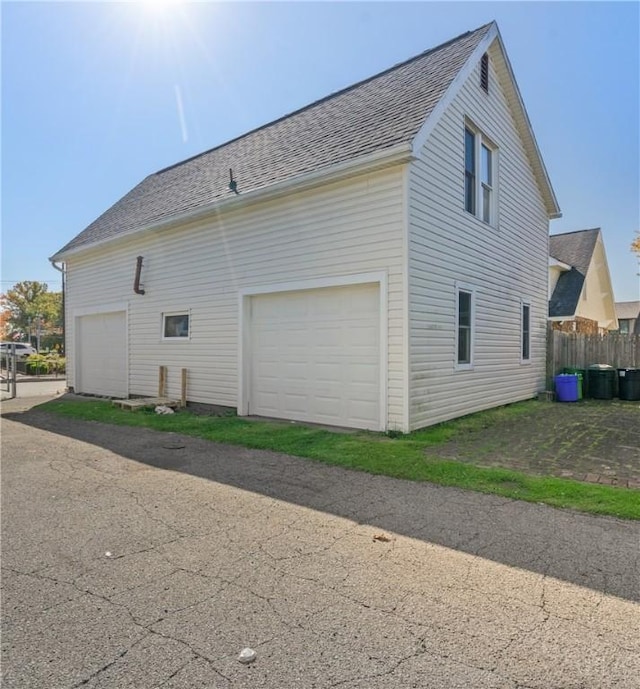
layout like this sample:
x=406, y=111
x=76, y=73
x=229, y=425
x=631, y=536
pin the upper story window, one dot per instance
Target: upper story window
x=480, y=157
x=469, y=171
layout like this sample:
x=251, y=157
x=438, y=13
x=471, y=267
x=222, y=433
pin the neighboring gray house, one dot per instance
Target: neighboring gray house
x=580, y=286
x=628, y=313
x=382, y=265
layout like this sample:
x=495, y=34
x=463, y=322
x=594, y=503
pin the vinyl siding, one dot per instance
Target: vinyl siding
x=503, y=265
x=596, y=300
x=346, y=228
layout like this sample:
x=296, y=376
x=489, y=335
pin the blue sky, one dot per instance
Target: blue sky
x=97, y=95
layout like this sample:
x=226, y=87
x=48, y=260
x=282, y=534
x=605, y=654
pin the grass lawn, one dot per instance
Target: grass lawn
x=412, y=456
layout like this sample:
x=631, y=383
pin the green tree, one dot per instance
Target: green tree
x=25, y=303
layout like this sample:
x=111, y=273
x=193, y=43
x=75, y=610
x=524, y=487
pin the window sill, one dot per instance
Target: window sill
x=493, y=225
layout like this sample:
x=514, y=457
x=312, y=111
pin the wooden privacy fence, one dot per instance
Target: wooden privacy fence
x=576, y=350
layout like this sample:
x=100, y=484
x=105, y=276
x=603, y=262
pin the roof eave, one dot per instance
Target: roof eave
x=553, y=208
x=557, y=263
x=394, y=155
x=493, y=34
x=454, y=87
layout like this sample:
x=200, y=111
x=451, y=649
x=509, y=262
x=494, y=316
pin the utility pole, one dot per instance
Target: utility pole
x=38, y=330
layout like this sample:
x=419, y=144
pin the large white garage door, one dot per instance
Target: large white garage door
x=315, y=356
x=102, y=354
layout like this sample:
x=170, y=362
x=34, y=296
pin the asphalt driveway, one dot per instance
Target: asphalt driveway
x=137, y=559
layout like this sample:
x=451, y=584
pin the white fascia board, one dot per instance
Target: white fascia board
x=555, y=263
x=429, y=124
x=493, y=33
x=608, y=295
x=395, y=155
x=554, y=211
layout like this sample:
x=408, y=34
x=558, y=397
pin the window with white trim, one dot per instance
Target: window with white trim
x=526, y=331
x=480, y=156
x=464, y=327
x=175, y=326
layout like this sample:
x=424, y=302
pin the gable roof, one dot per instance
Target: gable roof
x=627, y=309
x=373, y=116
x=575, y=249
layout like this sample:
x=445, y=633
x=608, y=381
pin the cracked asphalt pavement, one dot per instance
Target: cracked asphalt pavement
x=136, y=559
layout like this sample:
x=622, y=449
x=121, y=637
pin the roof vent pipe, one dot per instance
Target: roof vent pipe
x=136, y=283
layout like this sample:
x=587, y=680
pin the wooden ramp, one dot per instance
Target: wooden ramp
x=144, y=402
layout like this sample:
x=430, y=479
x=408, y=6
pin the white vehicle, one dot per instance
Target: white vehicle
x=23, y=350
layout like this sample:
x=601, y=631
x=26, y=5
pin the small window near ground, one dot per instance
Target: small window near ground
x=526, y=332
x=465, y=328
x=175, y=326
x=624, y=326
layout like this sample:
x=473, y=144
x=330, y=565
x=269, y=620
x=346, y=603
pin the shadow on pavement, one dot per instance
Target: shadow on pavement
x=600, y=553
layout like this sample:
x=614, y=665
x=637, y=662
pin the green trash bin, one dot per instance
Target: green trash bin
x=629, y=383
x=602, y=382
x=582, y=380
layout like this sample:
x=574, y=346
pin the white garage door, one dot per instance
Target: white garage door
x=102, y=354
x=316, y=356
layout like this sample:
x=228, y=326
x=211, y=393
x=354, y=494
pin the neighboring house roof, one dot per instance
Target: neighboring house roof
x=576, y=250
x=628, y=309
x=375, y=115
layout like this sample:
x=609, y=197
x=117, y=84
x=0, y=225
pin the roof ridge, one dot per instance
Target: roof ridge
x=346, y=89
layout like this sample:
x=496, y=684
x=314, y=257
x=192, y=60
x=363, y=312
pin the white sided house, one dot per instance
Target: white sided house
x=376, y=260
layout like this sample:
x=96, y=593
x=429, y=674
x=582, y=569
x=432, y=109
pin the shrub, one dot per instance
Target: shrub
x=57, y=363
x=37, y=363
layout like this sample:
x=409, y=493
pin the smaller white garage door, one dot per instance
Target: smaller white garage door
x=101, y=356
x=315, y=356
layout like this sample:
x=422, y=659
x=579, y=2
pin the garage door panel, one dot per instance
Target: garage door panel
x=363, y=337
x=267, y=401
x=360, y=374
x=295, y=403
x=326, y=373
x=268, y=369
x=316, y=355
x=295, y=371
x=102, y=354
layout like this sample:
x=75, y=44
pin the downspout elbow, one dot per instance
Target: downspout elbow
x=136, y=283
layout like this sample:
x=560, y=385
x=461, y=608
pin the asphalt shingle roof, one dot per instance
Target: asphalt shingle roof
x=575, y=249
x=378, y=113
x=628, y=309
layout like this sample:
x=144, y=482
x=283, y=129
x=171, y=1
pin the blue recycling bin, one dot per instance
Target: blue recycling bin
x=566, y=387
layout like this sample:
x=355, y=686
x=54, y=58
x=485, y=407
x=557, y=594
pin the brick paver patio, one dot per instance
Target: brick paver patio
x=591, y=440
